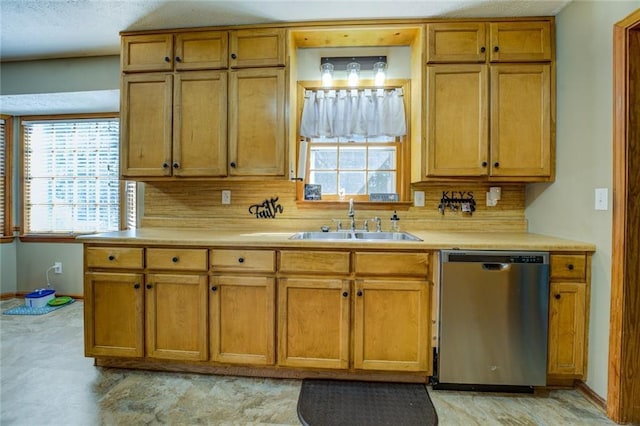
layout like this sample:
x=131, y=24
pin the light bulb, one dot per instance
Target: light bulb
x=353, y=73
x=379, y=69
x=327, y=74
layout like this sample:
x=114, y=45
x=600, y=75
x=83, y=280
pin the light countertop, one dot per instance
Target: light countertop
x=431, y=240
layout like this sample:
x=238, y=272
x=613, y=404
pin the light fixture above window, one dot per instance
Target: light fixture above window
x=353, y=65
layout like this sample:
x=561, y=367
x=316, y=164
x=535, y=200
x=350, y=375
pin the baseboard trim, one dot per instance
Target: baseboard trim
x=596, y=399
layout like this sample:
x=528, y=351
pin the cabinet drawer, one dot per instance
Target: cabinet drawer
x=243, y=260
x=568, y=266
x=177, y=259
x=114, y=257
x=407, y=264
x=311, y=262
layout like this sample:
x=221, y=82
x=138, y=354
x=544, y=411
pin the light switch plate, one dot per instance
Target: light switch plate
x=226, y=197
x=602, y=199
x=418, y=198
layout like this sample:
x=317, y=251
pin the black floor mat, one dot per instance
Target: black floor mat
x=336, y=402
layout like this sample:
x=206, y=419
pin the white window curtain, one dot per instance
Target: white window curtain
x=347, y=113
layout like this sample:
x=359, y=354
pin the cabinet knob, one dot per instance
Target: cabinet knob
x=214, y=288
x=233, y=164
x=483, y=49
x=241, y=260
x=557, y=296
x=174, y=259
x=345, y=294
x=176, y=165
x=167, y=59
x=165, y=165
x=359, y=293
x=484, y=164
x=178, y=59
x=496, y=48
x=234, y=56
x=570, y=267
x=496, y=164
x=149, y=286
x=136, y=286
x=112, y=257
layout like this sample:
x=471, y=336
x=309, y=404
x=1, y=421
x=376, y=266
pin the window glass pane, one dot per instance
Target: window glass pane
x=352, y=158
x=328, y=180
x=324, y=158
x=381, y=182
x=353, y=182
x=382, y=158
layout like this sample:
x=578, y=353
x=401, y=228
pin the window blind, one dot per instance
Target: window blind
x=71, y=180
x=130, y=213
x=3, y=179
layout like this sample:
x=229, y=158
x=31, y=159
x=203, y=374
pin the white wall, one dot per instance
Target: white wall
x=8, y=280
x=565, y=208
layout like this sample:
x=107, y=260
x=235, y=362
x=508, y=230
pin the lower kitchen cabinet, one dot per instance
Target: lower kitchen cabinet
x=241, y=318
x=176, y=316
x=313, y=322
x=391, y=322
x=113, y=314
x=567, y=320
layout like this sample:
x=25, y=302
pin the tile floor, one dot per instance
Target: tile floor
x=46, y=380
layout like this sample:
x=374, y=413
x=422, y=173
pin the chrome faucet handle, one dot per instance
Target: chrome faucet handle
x=338, y=224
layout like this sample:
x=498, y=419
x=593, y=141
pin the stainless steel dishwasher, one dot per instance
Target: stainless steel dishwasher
x=494, y=314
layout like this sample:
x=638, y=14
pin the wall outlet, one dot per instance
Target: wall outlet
x=418, y=198
x=57, y=267
x=226, y=197
x=602, y=199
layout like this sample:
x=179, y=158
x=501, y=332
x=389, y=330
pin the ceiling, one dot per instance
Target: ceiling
x=46, y=29
x=38, y=29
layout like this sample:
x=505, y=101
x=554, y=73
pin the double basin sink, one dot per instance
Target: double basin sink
x=355, y=236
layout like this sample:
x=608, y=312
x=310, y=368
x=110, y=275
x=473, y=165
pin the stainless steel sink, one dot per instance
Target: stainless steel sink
x=355, y=235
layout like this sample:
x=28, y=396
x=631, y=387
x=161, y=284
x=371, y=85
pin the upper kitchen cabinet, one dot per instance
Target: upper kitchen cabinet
x=257, y=48
x=522, y=41
x=182, y=51
x=489, y=102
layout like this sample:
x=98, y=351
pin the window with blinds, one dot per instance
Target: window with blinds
x=71, y=176
x=3, y=178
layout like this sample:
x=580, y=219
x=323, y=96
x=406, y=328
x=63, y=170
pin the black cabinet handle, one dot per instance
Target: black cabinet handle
x=174, y=259
x=165, y=165
x=241, y=260
x=234, y=56
x=483, y=49
x=178, y=59
x=214, y=288
x=176, y=165
x=136, y=286
x=484, y=164
x=496, y=164
x=570, y=267
x=167, y=59
x=345, y=294
x=557, y=296
x=496, y=48
x=112, y=257
x=359, y=293
x=233, y=164
x=149, y=286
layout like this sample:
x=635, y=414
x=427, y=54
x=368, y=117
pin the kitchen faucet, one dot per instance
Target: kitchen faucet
x=352, y=215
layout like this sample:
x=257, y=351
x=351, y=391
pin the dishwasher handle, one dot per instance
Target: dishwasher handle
x=498, y=267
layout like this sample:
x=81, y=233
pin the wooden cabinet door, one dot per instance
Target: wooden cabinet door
x=143, y=53
x=200, y=124
x=256, y=122
x=242, y=319
x=113, y=317
x=257, y=48
x=145, y=125
x=176, y=317
x=456, y=42
x=567, y=306
x=391, y=325
x=457, y=120
x=313, y=323
x=520, y=120
x=201, y=50
x=520, y=41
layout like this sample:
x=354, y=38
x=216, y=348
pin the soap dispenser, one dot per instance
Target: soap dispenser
x=395, y=227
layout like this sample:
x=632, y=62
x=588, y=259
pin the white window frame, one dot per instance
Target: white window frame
x=6, y=143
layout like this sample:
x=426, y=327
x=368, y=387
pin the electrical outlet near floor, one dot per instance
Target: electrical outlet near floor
x=57, y=267
x=226, y=197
